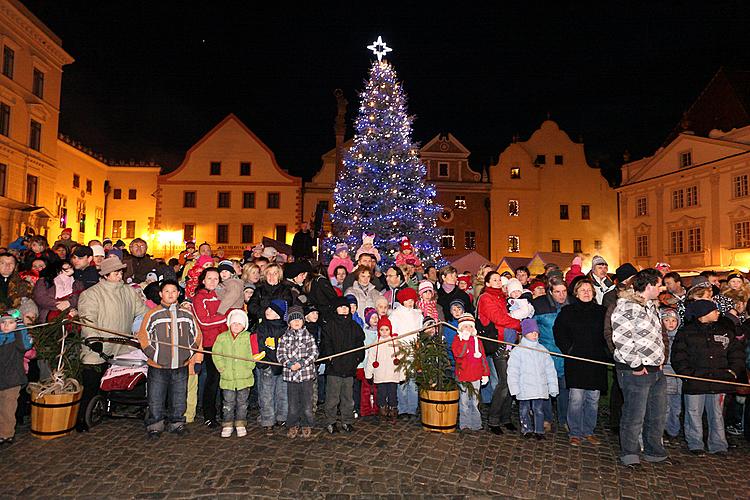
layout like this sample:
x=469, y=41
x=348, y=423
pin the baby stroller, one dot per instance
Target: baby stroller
x=122, y=392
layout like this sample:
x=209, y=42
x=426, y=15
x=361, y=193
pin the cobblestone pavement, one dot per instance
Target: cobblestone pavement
x=114, y=460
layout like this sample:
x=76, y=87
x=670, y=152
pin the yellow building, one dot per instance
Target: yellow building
x=689, y=203
x=546, y=198
x=31, y=62
x=230, y=191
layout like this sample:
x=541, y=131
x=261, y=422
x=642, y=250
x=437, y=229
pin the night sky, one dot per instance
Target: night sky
x=152, y=77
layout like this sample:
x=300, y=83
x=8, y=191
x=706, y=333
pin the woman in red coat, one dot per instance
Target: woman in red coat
x=205, y=308
x=492, y=312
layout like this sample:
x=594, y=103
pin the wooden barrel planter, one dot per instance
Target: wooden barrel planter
x=54, y=415
x=439, y=410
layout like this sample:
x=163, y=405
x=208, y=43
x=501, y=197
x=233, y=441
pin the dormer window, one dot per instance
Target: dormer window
x=686, y=159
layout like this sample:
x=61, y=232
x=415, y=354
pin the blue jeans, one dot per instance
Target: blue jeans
x=644, y=413
x=300, y=396
x=583, y=407
x=272, y=398
x=166, y=385
x=234, y=407
x=694, y=405
x=674, y=406
x=408, y=398
x=488, y=389
x=562, y=404
x=468, y=409
x=531, y=414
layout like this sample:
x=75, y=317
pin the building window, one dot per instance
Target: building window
x=641, y=207
x=4, y=119
x=585, y=212
x=38, y=84
x=188, y=199
x=558, y=159
x=742, y=234
x=564, y=212
x=676, y=242
x=460, y=202
x=248, y=200
x=223, y=200
x=215, y=168
x=448, y=239
x=245, y=168
x=515, y=172
x=3, y=178
x=116, y=229
x=130, y=229
x=443, y=169
x=188, y=232
x=678, y=199
x=691, y=196
x=555, y=245
x=694, y=240
x=117, y=194
x=81, y=216
x=99, y=216
x=740, y=185
x=61, y=204
x=470, y=240
x=577, y=246
x=35, y=135
x=513, y=208
x=274, y=200
x=641, y=245
x=247, y=233
x=9, y=58
x=281, y=232
x=76, y=181
x=540, y=160
x=514, y=244
x=132, y=194
x=597, y=244
x=222, y=233
x=32, y=188
x=686, y=159
x=89, y=186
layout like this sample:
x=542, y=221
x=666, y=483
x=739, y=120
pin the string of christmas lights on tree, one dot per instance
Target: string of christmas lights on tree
x=382, y=188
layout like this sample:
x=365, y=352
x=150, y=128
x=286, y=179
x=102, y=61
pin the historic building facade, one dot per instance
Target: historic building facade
x=545, y=197
x=230, y=191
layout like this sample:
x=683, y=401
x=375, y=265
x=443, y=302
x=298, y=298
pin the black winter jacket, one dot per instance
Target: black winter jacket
x=707, y=350
x=339, y=334
x=269, y=333
x=445, y=299
x=263, y=296
x=322, y=295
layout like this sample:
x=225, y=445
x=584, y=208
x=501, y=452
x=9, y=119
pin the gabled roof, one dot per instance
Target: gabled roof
x=562, y=259
x=432, y=147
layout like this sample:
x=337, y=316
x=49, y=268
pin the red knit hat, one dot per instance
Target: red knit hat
x=384, y=321
x=535, y=284
x=466, y=278
x=405, y=294
x=406, y=244
x=68, y=230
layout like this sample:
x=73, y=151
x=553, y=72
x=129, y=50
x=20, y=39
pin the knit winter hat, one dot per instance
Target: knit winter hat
x=237, y=316
x=294, y=269
x=735, y=274
x=384, y=321
x=368, y=238
x=67, y=230
x=428, y=321
x=10, y=314
x=97, y=250
x=369, y=312
x=598, y=259
x=529, y=325
x=668, y=312
x=338, y=302
x=270, y=253
x=351, y=299
x=425, y=285
x=406, y=244
x=466, y=278
x=280, y=307
x=295, y=312
x=226, y=265
x=342, y=247
x=699, y=308
x=514, y=285
x=457, y=303
x=535, y=284
x=248, y=284
x=203, y=260
x=663, y=267
x=466, y=318
x=405, y=294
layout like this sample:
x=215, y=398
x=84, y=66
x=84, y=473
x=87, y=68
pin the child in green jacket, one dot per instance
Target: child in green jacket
x=236, y=374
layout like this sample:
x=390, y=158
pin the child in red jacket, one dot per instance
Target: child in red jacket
x=472, y=367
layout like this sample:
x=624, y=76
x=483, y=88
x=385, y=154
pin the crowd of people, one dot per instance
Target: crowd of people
x=223, y=335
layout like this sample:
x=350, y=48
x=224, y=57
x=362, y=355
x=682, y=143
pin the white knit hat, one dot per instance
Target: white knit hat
x=513, y=285
x=237, y=316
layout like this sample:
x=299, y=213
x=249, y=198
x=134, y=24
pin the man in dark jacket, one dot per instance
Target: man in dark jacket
x=303, y=242
x=706, y=348
x=12, y=286
x=139, y=262
x=341, y=334
x=84, y=270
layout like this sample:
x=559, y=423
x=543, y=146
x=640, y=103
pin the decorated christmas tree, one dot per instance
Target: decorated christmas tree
x=381, y=188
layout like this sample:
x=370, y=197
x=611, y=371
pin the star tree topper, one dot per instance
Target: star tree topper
x=380, y=53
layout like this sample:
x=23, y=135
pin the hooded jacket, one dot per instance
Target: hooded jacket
x=340, y=334
x=531, y=374
x=270, y=332
x=236, y=374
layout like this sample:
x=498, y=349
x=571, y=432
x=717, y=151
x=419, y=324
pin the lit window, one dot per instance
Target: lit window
x=577, y=246
x=555, y=245
x=513, y=208
x=742, y=234
x=460, y=202
x=686, y=159
x=515, y=172
x=116, y=229
x=188, y=232
x=641, y=207
x=470, y=240
x=740, y=186
x=514, y=243
x=641, y=245
x=448, y=239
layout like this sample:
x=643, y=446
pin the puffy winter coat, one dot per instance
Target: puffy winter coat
x=321, y=295
x=531, y=374
x=235, y=373
x=707, y=350
x=340, y=334
x=386, y=371
x=270, y=332
x=406, y=320
x=469, y=367
x=366, y=297
x=546, y=310
x=206, y=311
x=579, y=331
x=492, y=306
x=13, y=345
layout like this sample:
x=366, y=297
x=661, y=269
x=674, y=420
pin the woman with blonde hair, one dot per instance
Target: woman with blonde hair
x=479, y=280
x=251, y=273
x=270, y=288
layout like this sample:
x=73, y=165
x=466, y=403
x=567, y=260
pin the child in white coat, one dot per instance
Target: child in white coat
x=382, y=368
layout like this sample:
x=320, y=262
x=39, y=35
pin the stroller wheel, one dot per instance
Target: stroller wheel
x=95, y=411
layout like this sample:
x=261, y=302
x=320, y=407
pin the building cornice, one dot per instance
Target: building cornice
x=38, y=32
